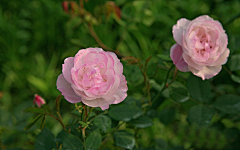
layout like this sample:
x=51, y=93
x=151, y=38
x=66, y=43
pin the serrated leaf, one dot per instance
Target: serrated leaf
x=35, y=120
x=229, y=104
x=71, y=142
x=103, y=122
x=35, y=110
x=124, y=139
x=94, y=140
x=142, y=122
x=199, y=89
x=179, y=94
x=44, y=140
x=201, y=115
x=125, y=112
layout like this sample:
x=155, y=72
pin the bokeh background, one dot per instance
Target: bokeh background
x=37, y=35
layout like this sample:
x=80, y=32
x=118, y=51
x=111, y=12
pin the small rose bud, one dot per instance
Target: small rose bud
x=38, y=100
x=65, y=6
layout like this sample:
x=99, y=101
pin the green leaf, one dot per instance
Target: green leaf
x=44, y=140
x=229, y=104
x=61, y=135
x=125, y=112
x=166, y=116
x=179, y=94
x=94, y=140
x=124, y=139
x=35, y=110
x=35, y=120
x=46, y=108
x=199, y=89
x=43, y=121
x=142, y=122
x=234, y=62
x=103, y=122
x=201, y=115
x=71, y=142
x=235, y=78
x=164, y=57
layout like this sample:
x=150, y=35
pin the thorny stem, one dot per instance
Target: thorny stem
x=83, y=135
x=100, y=43
x=165, y=84
x=97, y=39
x=146, y=81
x=85, y=111
x=59, y=120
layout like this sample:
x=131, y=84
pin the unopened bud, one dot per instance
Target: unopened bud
x=38, y=100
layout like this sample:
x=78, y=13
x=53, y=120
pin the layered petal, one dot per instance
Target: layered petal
x=206, y=73
x=66, y=69
x=176, y=53
x=67, y=91
x=178, y=30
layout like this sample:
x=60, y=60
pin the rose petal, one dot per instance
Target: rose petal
x=99, y=102
x=121, y=93
x=206, y=73
x=66, y=69
x=118, y=67
x=222, y=59
x=67, y=91
x=178, y=30
x=176, y=55
x=191, y=63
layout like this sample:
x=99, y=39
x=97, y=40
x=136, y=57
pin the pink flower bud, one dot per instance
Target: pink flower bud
x=38, y=100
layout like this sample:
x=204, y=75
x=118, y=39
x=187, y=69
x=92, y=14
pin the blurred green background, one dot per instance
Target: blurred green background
x=37, y=35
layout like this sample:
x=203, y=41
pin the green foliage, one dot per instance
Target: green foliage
x=125, y=112
x=198, y=89
x=45, y=140
x=103, y=122
x=228, y=104
x=124, y=139
x=94, y=140
x=186, y=112
x=201, y=115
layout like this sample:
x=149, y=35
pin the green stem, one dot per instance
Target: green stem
x=84, y=142
x=59, y=120
x=165, y=84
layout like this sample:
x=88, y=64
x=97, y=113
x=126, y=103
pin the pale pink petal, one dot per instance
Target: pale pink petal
x=176, y=55
x=121, y=93
x=206, y=73
x=118, y=67
x=114, y=87
x=191, y=63
x=178, y=30
x=99, y=102
x=66, y=69
x=95, y=57
x=67, y=90
x=222, y=59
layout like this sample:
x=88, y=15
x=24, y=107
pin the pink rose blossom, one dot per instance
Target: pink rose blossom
x=38, y=100
x=201, y=46
x=93, y=77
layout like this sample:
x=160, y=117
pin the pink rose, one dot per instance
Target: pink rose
x=38, y=100
x=201, y=46
x=94, y=77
